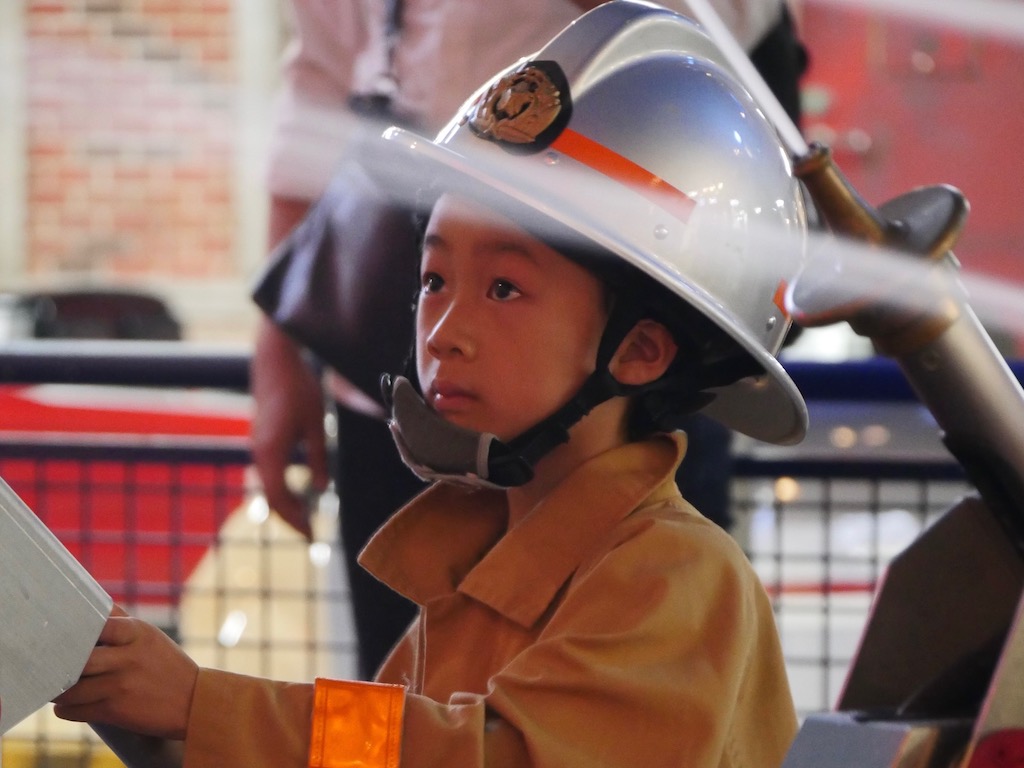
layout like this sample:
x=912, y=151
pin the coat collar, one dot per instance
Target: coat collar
x=452, y=539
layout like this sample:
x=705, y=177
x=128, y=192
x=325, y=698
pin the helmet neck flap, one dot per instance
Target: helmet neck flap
x=435, y=449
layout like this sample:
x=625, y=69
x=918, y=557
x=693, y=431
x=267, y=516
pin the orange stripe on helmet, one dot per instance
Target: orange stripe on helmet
x=625, y=171
x=779, y=299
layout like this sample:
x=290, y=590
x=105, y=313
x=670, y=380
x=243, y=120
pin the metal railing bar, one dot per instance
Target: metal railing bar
x=900, y=469
x=129, y=363
x=188, y=364
x=204, y=450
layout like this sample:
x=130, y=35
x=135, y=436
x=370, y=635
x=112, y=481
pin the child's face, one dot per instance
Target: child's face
x=507, y=328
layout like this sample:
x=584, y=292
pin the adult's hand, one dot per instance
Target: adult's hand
x=289, y=411
x=289, y=415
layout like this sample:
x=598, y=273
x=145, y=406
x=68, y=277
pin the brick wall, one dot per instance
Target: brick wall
x=129, y=126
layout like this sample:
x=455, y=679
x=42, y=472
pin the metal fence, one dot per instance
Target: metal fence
x=175, y=531
x=820, y=534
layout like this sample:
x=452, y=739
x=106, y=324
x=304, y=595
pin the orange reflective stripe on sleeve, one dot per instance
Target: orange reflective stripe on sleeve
x=356, y=725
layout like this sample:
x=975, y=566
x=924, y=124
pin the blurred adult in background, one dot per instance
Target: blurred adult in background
x=411, y=62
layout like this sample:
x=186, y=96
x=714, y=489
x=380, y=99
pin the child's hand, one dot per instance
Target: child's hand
x=136, y=678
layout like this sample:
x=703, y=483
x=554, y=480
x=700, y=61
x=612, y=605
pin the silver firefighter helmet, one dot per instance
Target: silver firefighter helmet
x=630, y=130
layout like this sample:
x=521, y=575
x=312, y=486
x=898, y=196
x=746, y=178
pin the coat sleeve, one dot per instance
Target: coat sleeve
x=247, y=721
x=663, y=652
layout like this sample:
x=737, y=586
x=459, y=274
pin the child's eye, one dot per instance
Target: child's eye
x=431, y=282
x=504, y=290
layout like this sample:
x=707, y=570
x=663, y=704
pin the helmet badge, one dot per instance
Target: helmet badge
x=524, y=109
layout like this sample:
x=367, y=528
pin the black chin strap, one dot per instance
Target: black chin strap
x=600, y=386
x=684, y=391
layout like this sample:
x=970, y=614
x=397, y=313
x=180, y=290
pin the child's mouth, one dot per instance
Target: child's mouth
x=446, y=397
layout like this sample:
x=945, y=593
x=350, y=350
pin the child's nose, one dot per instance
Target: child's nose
x=452, y=333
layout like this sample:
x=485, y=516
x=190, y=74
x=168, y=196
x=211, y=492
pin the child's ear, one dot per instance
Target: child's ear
x=644, y=355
